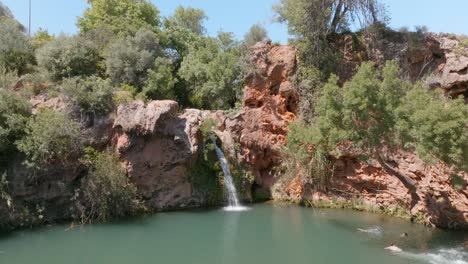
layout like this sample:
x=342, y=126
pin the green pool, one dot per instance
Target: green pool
x=266, y=233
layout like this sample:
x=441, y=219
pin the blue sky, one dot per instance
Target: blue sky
x=237, y=16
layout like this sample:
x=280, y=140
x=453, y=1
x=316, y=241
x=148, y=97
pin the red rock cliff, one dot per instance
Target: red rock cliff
x=269, y=104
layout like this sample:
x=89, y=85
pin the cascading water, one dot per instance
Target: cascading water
x=229, y=187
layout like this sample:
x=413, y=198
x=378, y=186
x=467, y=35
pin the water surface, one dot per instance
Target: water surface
x=264, y=234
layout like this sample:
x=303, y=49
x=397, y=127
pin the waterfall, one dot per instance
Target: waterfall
x=229, y=187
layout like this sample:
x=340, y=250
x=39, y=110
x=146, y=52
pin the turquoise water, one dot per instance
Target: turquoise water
x=264, y=234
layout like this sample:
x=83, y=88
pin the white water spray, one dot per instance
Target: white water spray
x=229, y=187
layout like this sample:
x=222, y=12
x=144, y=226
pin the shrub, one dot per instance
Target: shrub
x=106, y=191
x=161, y=80
x=67, y=57
x=301, y=158
x=434, y=126
x=50, y=137
x=93, y=94
x=256, y=34
x=7, y=78
x=14, y=115
x=37, y=81
x=129, y=60
x=15, y=51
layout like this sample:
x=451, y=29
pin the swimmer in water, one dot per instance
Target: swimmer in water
x=393, y=248
x=404, y=235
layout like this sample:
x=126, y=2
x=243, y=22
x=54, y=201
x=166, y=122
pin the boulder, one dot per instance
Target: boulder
x=157, y=147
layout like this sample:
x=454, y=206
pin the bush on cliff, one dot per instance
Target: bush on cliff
x=14, y=115
x=50, y=137
x=377, y=109
x=93, y=94
x=106, y=192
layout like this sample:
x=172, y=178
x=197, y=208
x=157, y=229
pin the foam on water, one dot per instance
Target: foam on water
x=373, y=230
x=441, y=256
x=235, y=208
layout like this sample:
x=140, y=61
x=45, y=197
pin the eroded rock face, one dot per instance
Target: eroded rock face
x=157, y=147
x=441, y=204
x=269, y=104
x=453, y=74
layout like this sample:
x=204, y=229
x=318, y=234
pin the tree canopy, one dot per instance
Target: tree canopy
x=123, y=17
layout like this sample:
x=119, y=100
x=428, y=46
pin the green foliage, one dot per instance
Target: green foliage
x=129, y=60
x=207, y=127
x=161, y=80
x=301, y=158
x=123, y=17
x=14, y=115
x=255, y=34
x=50, y=137
x=66, y=57
x=36, y=82
x=41, y=38
x=189, y=18
x=212, y=72
x=329, y=127
x=373, y=109
x=206, y=176
x=314, y=22
x=93, y=94
x=106, y=191
x=16, y=54
x=434, y=126
x=7, y=78
x=307, y=81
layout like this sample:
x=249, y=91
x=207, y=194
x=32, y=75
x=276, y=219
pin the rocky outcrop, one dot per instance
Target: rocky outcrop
x=157, y=146
x=367, y=186
x=440, y=60
x=269, y=104
x=452, y=75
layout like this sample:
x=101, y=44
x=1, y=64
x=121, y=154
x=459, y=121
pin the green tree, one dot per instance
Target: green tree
x=161, y=80
x=129, y=60
x=66, y=57
x=374, y=110
x=434, y=126
x=50, y=137
x=313, y=22
x=212, y=71
x=41, y=38
x=256, y=34
x=16, y=54
x=123, y=17
x=188, y=18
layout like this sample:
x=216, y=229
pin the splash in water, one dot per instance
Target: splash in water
x=441, y=256
x=374, y=230
x=229, y=187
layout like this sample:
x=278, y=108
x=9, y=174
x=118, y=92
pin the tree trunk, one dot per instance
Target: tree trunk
x=407, y=182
